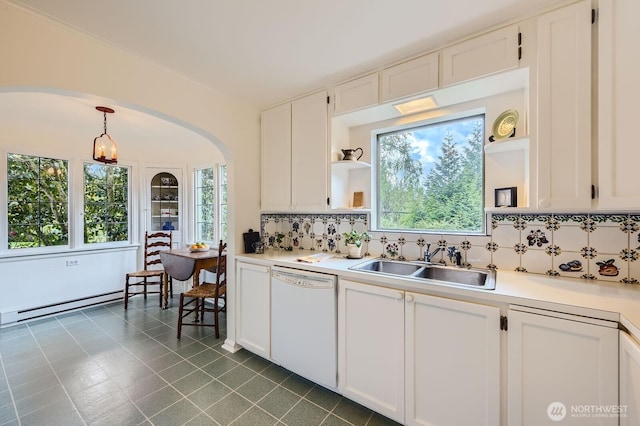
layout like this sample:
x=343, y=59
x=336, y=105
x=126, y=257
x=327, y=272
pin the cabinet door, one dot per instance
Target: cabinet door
x=483, y=55
x=356, y=94
x=629, y=380
x=564, y=115
x=309, y=153
x=253, y=311
x=452, y=361
x=371, y=347
x=409, y=78
x=618, y=100
x=556, y=364
x=275, y=146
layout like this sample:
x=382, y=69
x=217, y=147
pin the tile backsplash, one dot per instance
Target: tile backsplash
x=584, y=245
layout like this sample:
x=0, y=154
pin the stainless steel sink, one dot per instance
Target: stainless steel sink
x=470, y=277
x=388, y=267
x=465, y=277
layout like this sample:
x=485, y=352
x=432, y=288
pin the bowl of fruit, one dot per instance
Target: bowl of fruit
x=199, y=246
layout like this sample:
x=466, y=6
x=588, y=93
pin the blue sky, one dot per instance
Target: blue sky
x=427, y=141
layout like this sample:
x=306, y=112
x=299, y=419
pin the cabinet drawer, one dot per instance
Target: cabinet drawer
x=409, y=78
x=356, y=94
x=483, y=55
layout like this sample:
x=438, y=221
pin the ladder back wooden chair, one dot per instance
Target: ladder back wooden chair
x=193, y=301
x=153, y=273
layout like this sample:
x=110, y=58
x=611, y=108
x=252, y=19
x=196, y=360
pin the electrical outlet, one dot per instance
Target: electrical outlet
x=72, y=263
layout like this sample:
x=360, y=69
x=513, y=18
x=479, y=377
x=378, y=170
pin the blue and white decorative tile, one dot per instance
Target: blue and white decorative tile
x=375, y=247
x=536, y=238
x=454, y=240
x=505, y=236
x=536, y=261
x=570, y=218
x=505, y=258
x=479, y=240
x=478, y=257
x=571, y=238
x=536, y=219
x=504, y=219
x=609, y=239
x=634, y=272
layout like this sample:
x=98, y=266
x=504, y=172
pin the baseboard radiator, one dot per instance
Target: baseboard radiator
x=15, y=317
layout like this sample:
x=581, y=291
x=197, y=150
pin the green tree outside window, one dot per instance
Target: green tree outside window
x=430, y=178
x=106, y=203
x=37, y=201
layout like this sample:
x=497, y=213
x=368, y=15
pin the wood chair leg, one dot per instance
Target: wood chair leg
x=215, y=318
x=126, y=292
x=180, y=315
x=145, y=288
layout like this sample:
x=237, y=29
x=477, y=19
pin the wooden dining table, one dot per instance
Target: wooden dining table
x=183, y=264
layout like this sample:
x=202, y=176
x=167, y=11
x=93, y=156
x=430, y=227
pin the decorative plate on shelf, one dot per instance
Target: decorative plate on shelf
x=505, y=125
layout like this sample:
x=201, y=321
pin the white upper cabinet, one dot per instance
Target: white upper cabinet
x=564, y=108
x=618, y=100
x=483, y=55
x=409, y=78
x=276, y=158
x=294, y=148
x=309, y=153
x=356, y=94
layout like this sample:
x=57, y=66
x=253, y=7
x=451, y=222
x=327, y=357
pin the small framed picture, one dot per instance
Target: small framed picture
x=506, y=197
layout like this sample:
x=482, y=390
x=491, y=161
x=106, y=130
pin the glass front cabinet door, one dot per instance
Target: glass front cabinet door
x=165, y=202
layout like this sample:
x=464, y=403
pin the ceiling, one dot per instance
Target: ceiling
x=266, y=51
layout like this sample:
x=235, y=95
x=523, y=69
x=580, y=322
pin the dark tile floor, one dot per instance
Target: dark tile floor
x=105, y=366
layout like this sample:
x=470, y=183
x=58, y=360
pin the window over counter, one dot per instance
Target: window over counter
x=37, y=202
x=211, y=204
x=429, y=177
x=106, y=203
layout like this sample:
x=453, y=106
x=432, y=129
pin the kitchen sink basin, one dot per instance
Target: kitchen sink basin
x=472, y=277
x=388, y=267
x=465, y=277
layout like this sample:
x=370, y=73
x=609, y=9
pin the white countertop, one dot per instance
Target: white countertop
x=597, y=299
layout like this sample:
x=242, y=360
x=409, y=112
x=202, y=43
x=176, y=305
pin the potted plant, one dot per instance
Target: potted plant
x=353, y=240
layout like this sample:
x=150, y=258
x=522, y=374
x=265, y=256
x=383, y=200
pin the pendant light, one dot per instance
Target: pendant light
x=104, y=148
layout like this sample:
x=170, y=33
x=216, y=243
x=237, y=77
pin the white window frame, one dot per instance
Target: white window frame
x=218, y=187
x=4, y=197
x=75, y=206
x=419, y=120
x=130, y=210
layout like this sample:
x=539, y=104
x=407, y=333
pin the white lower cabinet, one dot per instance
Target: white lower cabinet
x=371, y=347
x=418, y=359
x=561, y=368
x=253, y=311
x=629, y=380
x=452, y=362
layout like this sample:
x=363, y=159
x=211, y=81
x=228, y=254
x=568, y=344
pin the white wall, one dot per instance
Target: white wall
x=39, y=54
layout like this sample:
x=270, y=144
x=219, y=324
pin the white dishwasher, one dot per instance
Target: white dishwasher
x=304, y=335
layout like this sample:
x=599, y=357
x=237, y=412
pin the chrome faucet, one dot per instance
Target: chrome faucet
x=429, y=255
